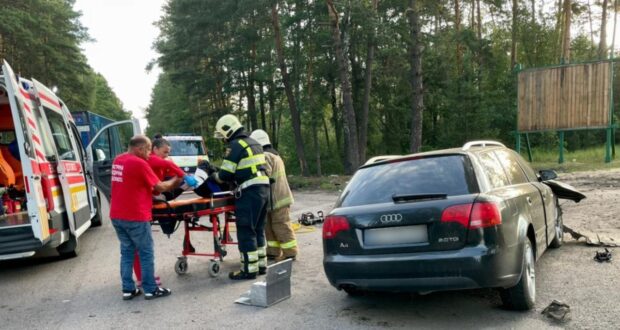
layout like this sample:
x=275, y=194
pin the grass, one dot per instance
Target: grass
x=328, y=183
x=589, y=159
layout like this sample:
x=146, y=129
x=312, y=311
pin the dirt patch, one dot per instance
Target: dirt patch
x=598, y=213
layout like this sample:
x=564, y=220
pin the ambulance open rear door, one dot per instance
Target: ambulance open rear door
x=29, y=145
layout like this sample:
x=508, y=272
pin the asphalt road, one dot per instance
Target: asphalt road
x=84, y=292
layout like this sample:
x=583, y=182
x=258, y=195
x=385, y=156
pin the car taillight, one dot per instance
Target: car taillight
x=457, y=213
x=485, y=214
x=333, y=225
x=473, y=216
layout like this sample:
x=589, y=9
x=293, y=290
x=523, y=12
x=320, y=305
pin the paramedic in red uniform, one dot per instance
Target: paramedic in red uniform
x=163, y=168
x=133, y=183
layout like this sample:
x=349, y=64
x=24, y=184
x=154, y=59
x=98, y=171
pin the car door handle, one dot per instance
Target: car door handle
x=529, y=200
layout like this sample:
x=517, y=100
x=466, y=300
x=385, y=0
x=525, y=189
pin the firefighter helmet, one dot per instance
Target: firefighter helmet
x=226, y=126
x=261, y=137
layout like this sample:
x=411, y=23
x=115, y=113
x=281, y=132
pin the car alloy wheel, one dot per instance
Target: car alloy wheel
x=530, y=271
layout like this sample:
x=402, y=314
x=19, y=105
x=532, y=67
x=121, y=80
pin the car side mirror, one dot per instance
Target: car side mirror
x=100, y=155
x=210, y=154
x=546, y=175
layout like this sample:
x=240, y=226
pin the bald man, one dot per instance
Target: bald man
x=133, y=183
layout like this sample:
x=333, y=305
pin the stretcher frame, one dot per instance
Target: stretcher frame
x=221, y=234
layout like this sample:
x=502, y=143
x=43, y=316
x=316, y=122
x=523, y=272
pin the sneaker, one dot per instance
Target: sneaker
x=158, y=293
x=262, y=270
x=128, y=295
x=241, y=275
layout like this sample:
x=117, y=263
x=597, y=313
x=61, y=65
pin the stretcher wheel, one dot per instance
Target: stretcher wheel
x=214, y=268
x=181, y=266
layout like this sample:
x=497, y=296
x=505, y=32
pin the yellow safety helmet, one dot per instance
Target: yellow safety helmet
x=226, y=126
x=261, y=137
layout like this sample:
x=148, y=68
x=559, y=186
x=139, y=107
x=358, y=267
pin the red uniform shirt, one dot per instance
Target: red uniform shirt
x=164, y=168
x=132, y=188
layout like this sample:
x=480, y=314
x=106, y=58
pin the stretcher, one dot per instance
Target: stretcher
x=169, y=215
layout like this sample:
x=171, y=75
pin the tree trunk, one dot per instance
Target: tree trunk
x=457, y=28
x=336, y=118
x=251, y=93
x=479, y=20
x=415, y=57
x=591, y=28
x=602, y=45
x=295, y=119
x=261, y=102
x=350, y=125
x=370, y=53
x=272, y=113
x=326, y=132
x=566, y=32
x=513, y=42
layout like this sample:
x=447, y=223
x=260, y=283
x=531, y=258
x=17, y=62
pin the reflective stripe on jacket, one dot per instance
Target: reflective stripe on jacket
x=245, y=163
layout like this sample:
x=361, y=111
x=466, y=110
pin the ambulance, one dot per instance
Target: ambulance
x=187, y=151
x=51, y=186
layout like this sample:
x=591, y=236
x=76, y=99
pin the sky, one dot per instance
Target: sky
x=124, y=33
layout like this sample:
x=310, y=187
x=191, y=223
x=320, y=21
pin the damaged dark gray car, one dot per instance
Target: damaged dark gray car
x=478, y=216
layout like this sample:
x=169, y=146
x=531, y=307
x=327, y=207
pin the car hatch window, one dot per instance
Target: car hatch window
x=493, y=170
x=449, y=175
x=513, y=170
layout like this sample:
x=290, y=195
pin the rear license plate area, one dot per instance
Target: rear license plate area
x=417, y=234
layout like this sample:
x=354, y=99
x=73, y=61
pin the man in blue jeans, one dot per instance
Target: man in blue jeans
x=133, y=183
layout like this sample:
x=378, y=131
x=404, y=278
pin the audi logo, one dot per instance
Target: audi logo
x=391, y=218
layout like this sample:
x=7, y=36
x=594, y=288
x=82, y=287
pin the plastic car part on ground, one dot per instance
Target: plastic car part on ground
x=309, y=219
x=558, y=311
x=577, y=236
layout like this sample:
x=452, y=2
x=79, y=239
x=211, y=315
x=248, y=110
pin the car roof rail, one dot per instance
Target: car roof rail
x=380, y=158
x=482, y=143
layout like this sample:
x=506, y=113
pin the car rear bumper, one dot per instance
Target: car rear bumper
x=467, y=268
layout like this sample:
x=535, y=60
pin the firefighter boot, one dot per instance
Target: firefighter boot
x=262, y=260
x=249, y=267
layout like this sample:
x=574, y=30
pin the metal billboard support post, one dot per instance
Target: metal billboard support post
x=608, y=146
x=529, y=148
x=561, y=136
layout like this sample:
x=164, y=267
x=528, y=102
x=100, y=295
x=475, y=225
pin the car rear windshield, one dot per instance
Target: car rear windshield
x=450, y=175
x=186, y=148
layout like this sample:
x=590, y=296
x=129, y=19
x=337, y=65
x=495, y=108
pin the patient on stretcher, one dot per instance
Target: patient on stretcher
x=205, y=187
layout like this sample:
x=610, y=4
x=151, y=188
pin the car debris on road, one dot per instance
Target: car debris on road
x=589, y=241
x=558, y=311
x=603, y=256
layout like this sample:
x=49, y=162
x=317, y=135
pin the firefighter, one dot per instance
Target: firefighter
x=244, y=165
x=281, y=241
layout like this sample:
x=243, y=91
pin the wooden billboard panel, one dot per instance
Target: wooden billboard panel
x=566, y=97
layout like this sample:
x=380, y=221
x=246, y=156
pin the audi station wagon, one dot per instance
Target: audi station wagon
x=473, y=217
